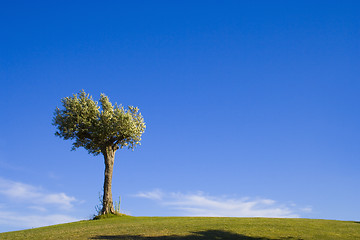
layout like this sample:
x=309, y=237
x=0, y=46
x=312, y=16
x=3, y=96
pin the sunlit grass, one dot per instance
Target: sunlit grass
x=181, y=228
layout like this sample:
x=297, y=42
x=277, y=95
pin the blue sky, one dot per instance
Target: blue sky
x=252, y=108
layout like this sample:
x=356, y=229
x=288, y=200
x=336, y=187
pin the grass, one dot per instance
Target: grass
x=109, y=215
x=199, y=228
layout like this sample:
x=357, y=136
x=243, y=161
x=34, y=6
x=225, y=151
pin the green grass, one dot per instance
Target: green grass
x=181, y=228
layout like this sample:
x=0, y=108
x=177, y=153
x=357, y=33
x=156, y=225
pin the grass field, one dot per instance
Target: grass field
x=181, y=228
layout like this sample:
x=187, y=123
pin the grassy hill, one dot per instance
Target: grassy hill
x=181, y=228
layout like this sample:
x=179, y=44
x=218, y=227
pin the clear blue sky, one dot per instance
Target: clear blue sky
x=252, y=107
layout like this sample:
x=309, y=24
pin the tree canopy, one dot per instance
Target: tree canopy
x=96, y=127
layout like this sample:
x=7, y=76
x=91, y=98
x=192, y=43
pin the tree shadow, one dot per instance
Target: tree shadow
x=202, y=235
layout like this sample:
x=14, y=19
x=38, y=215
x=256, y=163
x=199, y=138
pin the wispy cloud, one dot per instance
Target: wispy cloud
x=61, y=199
x=200, y=204
x=153, y=195
x=16, y=220
x=26, y=206
x=34, y=195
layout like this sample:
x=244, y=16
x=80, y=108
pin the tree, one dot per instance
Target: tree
x=99, y=129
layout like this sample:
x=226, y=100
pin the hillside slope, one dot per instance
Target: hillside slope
x=181, y=228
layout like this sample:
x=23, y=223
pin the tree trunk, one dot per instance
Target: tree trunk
x=109, y=155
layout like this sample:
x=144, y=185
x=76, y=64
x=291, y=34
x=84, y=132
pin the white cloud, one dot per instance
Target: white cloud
x=306, y=209
x=18, y=190
x=200, y=204
x=61, y=199
x=38, y=208
x=153, y=195
x=17, y=220
x=42, y=208
x=34, y=195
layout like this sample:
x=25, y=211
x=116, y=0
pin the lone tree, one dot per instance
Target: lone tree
x=99, y=129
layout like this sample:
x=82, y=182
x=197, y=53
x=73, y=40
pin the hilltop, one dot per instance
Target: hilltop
x=200, y=228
